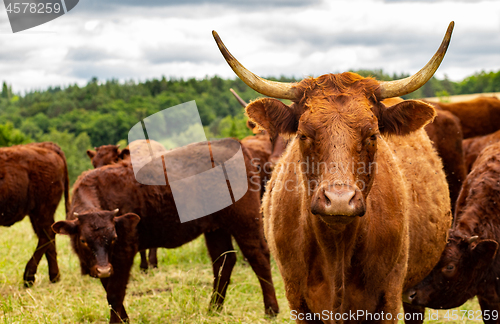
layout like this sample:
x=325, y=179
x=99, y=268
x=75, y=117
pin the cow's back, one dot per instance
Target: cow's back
x=474, y=145
x=31, y=176
x=479, y=116
x=429, y=202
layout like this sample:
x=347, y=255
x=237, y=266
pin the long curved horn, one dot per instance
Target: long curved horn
x=266, y=87
x=241, y=101
x=389, y=89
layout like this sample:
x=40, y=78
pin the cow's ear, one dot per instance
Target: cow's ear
x=91, y=154
x=404, y=117
x=273, y=116
x=124, y=153
x=250, y=124
x=483, y=252
x=128, y=221
x=65, y=227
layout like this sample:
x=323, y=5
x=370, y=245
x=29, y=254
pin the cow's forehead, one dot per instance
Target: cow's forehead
x=343, y=98
x=330, y=85
x=325, y=114
x=452, y=252
x=96, y=221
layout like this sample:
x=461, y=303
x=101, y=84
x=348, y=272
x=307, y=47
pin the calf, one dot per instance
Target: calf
x=469, y=265
x=33, y=178
x=109, y=154
x=474, y=145
x=106, y=239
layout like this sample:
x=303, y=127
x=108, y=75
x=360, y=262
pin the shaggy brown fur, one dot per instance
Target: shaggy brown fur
x=344, y=263
x=113, y=242
x=446, y=136
x=479, y=116
x=470, y=267
x=474, y=145
x=33, y=178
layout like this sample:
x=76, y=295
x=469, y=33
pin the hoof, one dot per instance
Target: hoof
x=28, y=283
x=55, y=278
x=270, y=312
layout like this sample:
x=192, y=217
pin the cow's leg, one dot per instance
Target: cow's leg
x=144, y=260
x=153, y=258
x=115, y=287
x=415, y=313
x=223, y=258
x=256, y=250
x=46, y=245
x=489, y=308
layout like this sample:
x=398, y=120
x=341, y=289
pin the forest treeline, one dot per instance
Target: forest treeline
x=78, y=118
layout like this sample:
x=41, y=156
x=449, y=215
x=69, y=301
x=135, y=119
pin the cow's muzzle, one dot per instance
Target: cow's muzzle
x=103, y=272
x=338, y=200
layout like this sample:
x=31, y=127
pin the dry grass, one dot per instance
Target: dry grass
x=177, y=292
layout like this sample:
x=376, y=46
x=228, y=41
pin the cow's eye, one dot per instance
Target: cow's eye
x=373, y=137
x=302, y=137
x=83, y=241
x=449, y=270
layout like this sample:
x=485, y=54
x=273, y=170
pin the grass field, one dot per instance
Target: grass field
x=177, y=292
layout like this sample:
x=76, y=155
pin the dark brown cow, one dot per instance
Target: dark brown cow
x=109, y=154
x=106, y=241
x=358, y=208
x=479, y=116
x=33, y=178
x=474, y=145
x=469, y=265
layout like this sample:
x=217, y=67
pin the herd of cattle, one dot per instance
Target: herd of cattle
x=346, y=237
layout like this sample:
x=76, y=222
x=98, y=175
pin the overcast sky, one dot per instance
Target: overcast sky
x=129, y=39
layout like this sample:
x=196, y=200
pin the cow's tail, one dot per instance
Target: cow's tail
x=59, y=151
x=66, y=186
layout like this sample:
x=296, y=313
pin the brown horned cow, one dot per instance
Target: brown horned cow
x=470, y=263
x=33, y=177
x=474, y=145
x=106, y=240
x=479, y=116
x=358, y=208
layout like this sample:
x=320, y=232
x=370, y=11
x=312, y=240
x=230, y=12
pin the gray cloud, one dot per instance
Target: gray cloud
x=114, y=4
x=180, y=53
x=87, y=54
